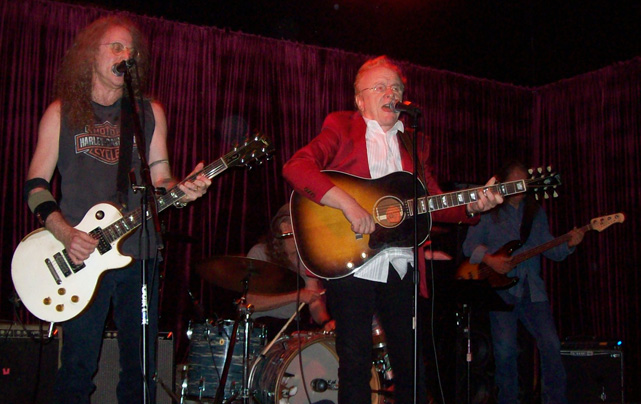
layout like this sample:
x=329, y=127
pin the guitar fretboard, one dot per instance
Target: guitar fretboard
x=452, y=199
x=132, y=220
x=252, y=150
x=526, y=255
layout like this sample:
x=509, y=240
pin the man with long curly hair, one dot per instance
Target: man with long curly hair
x=80, y=135
x=278, y=247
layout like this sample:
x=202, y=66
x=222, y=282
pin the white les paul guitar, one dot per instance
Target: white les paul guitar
x=53, y=289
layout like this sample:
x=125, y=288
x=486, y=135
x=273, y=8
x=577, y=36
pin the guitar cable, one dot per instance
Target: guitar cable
x=432, y=313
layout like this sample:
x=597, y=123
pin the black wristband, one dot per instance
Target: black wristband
x=43, y=211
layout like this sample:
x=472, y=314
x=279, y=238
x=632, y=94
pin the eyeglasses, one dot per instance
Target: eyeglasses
x=381, y=88
x=117, y=48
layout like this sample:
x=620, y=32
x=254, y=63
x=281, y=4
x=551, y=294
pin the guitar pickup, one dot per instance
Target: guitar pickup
x=103, y=245
x=62, y=264
x=75, y=268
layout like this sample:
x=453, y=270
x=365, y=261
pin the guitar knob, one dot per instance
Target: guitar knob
x=46, y=301
x=100, y=215
x=62, y=291
x=60, y=307
x=75, y=299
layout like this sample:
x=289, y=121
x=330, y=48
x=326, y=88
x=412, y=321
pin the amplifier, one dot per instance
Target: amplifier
x=106, y=380
x=594, y=375
x=29, y=361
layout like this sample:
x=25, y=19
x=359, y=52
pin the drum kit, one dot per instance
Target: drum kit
x=231, y=361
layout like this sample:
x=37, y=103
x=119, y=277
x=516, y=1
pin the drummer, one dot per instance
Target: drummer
x=278, y=247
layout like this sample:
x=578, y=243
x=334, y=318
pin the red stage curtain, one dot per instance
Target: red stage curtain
x=218, y=86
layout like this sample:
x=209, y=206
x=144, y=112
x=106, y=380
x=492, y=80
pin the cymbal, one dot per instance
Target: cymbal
x=264, y=277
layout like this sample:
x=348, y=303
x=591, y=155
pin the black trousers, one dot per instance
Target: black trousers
x=353, y=302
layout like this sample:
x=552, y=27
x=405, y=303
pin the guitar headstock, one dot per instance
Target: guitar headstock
x=253, y=150
x=543, y=181
x=603, y=222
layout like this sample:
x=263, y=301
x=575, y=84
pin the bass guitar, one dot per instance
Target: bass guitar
x=482, y=271
x=54, y=289
x=330, y=249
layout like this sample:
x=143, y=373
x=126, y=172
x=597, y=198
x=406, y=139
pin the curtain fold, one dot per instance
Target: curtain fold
x=218, y=87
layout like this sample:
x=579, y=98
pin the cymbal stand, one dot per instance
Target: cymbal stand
x=243, y=314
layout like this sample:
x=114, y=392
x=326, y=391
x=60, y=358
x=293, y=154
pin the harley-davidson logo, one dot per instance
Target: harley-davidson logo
x=102, y=142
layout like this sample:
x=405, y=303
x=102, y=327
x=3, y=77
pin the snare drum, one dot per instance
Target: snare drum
x=207, y=354
x=278, y=375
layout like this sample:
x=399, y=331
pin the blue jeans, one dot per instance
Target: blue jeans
x=83, y=335
x=537, y=319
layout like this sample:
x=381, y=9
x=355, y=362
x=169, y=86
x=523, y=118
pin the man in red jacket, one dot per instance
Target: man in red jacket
x=365, y=144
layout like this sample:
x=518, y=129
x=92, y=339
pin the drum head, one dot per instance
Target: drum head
x=278, y=376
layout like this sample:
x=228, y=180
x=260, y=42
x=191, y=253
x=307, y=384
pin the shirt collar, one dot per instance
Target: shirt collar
x=373, y=125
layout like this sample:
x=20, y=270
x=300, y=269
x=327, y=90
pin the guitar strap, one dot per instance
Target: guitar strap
x=406, y=138
x=125, y=152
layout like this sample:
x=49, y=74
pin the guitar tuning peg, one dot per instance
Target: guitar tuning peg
x=546, y=196
x=549, y=168
x=540, y=170
x=555, y=194
x=536, y=196
x=530, y=171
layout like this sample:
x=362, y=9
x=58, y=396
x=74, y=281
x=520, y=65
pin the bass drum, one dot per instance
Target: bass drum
x=207, y=354
x=277, y=377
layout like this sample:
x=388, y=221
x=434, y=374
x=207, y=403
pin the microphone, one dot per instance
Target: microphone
x=404, y=106
x=120, y=68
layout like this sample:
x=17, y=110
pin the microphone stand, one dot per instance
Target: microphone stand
x=416, y=275
x=147, y=209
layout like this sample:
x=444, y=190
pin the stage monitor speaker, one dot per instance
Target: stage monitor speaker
x=29, y=361
x=106, y=380
x=594, y=375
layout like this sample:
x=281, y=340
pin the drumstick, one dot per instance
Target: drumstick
x=282, y=330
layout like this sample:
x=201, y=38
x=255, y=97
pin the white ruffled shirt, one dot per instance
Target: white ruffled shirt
x=384, y=157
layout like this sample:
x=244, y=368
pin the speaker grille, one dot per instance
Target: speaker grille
x=28, y=364
x=594, y=376
x=106, y=380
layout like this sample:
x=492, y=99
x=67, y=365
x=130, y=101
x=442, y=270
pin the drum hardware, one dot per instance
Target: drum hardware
x=321, y=385
x=278, y=371
x=243, y=315
x=235, y=273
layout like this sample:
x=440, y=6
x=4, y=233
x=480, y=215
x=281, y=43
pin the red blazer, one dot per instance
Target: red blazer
x=341, y=146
